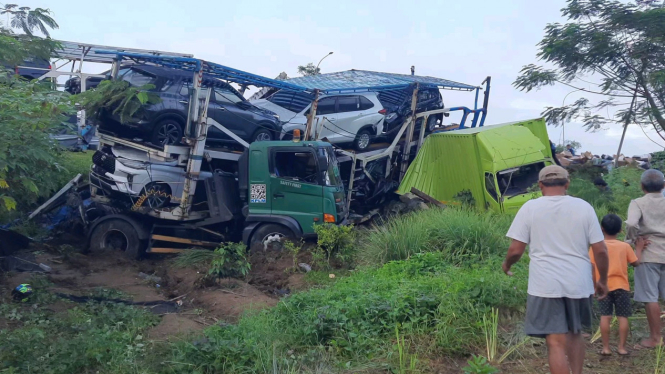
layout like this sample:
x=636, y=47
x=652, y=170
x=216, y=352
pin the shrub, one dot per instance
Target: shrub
x=227, y=260
x=335, y=242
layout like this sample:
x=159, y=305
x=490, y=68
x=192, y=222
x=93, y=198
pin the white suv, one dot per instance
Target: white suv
x=349, y=118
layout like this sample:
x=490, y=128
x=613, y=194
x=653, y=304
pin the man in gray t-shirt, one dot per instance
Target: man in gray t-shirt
x=559, y=230
x=646, y=217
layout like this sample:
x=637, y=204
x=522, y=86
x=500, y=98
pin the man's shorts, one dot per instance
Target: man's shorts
x=546, y=316
x=616, y=303
x=649, y=282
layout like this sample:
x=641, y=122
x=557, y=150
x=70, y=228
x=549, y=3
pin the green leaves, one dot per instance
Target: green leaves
x=117, y=97
x=8, y=202
x=610, y=49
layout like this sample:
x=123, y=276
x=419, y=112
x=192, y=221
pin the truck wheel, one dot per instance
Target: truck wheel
x=269, y=237
x=363, y=140
x=167, y=132
x=116, y=235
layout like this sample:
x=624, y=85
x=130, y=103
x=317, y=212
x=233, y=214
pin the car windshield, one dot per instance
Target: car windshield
x=331, y=175
x=516, y=181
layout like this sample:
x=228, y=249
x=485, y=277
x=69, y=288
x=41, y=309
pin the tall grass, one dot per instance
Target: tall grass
x=462, y=235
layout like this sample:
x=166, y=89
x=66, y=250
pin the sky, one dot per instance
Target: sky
x=456, y=40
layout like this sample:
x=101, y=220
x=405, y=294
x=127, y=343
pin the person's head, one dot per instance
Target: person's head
x=553, y=180
x=611, y=225
x=652, y=181
x=600, y=183
x=568, y=146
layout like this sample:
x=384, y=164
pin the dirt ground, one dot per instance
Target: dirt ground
x=197, y=305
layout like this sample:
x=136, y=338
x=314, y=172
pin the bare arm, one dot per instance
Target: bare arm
x=515, y=252
x=633, y=222
x=602, y=265
x=640, y=243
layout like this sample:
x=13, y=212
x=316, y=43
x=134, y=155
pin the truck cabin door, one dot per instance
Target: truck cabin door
x=492, y=197
x=296, y=186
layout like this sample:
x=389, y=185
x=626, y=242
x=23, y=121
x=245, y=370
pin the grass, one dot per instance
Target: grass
x=76, y=163
x=92, y=337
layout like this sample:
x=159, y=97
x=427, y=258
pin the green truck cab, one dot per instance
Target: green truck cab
x=492, y=167
x=292, y=185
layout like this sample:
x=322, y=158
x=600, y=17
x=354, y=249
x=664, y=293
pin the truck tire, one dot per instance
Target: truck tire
x=116, y=235
x=269, y=237
x=363, y=140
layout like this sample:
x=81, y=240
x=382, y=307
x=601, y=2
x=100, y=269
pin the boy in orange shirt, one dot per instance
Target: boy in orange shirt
x=618, y=300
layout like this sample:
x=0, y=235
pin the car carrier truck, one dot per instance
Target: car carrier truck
x=260, y=193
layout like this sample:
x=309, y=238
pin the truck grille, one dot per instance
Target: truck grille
x=104, y=161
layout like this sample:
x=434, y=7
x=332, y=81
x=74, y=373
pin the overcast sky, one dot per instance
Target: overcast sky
x=463, y=41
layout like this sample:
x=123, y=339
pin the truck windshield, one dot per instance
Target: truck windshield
x=331, y=174
x=516, y=181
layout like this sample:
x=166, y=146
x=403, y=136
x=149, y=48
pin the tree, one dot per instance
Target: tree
x=308, y=70
x=29, y=111
x=618, y=44
x=28, y=20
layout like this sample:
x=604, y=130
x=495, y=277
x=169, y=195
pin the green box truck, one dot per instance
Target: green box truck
x=491, y=167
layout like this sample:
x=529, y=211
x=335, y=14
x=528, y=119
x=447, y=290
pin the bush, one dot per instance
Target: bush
x=28, y=158
x=227, y=260
x=463, y=235
x=335, y=242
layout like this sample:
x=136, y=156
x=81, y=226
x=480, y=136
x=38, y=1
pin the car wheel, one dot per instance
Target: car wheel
x=270, y=237
x=159, y=194
x=431, y=123
x=262, y=135
x=116, y=235
x=167, y=132
x=363, y=140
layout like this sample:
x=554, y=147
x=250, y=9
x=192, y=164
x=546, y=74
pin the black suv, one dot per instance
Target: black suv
x=163, y=123
x=31, y=67
x=398, y=106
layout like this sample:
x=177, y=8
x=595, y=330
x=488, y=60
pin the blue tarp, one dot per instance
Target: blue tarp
x=363, y=80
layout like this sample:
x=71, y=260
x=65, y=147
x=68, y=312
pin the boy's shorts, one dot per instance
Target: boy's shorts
x=616, y=303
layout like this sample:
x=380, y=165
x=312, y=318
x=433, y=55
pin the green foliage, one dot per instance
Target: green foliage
x=335, y=242
x=88, y=337
x=28, y=158
x=230, y=261
x=624, y=184
x=406, y=361
x=354, y=318
x=466, y=199
x=308, y=70
x=28, y=19
x=658, y=160
x=463, y=236
x=616, y=45
x=117, y=97
x=294, y=249
x=479, y=365
x=227, y=260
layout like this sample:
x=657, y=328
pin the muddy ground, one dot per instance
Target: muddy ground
x=191, y=302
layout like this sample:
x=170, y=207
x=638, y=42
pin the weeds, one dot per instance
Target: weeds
x=490, y=326
x=227, y=260
x=479, y=365
x=407, y=361
x=294, y=249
